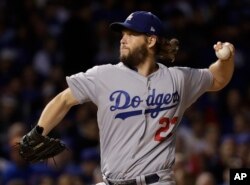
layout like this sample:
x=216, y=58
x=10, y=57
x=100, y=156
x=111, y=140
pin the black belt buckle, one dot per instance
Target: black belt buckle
x=149, y=179
x=129, y=182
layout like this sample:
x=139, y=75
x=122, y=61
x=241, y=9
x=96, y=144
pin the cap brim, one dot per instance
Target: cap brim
x=120, y=26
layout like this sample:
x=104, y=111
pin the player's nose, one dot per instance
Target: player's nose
x=123, y=39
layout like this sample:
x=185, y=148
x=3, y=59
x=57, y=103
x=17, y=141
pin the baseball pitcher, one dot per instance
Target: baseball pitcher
x=140, y=104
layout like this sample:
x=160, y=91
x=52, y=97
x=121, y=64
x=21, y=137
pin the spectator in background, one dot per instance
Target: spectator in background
x=231, y=106
x=205, y=178
x=68, y=179
x=9, y=108
x=212, y=139
x=46, y=181
x=89, y=163
x=97, y=175
x=243, y=149
x=241, y=123
x=182, y=172
x=226, y=177
x=17, y=170
x=227, y=158
x=88, y=134
x=47, y=57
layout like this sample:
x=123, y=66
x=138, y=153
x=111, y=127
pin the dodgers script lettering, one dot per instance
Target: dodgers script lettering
x=156, y=103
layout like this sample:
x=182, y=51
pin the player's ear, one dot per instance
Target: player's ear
x=151, y=41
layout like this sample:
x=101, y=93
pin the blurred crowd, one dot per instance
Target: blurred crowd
x=42, y=41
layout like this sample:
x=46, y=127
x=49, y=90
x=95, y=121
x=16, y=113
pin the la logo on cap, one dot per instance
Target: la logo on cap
x=129, y=17
x=152, y=29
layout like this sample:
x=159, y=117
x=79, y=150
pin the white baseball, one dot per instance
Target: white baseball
x=223, y=53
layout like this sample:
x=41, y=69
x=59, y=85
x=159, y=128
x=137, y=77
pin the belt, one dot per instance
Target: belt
x=149, y=179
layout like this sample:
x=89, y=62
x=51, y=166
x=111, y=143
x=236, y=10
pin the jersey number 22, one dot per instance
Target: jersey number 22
x=164, y=131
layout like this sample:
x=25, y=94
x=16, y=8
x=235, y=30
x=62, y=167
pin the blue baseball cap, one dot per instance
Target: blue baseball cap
x=141, y=22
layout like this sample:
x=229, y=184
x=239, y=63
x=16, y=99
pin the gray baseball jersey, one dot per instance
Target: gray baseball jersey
x=137, y=115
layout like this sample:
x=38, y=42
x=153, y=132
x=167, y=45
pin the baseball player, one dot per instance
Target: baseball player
x=140, y=101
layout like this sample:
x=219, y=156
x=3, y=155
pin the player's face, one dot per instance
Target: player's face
x=133, y=48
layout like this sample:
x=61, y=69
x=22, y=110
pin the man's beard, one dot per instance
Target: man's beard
x=135, y=57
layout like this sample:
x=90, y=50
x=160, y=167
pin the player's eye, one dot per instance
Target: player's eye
x=135, y=33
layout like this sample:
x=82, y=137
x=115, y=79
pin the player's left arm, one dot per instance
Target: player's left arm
x=222, y=70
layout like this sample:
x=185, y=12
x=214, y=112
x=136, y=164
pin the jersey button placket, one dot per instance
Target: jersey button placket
x=148, y=92
x=149, y=84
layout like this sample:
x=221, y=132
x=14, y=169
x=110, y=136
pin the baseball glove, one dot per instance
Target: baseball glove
x=34, y=147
